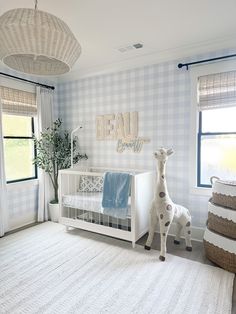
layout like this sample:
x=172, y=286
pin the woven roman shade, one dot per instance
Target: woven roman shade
x=18, y=102
x=217, y=90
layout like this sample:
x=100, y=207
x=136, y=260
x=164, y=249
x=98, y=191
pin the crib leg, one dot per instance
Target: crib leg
x=133, y=244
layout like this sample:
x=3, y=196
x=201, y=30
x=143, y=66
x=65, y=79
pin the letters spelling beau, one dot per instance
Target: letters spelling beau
x=122, y=127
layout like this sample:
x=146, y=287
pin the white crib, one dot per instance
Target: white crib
x=84, y=210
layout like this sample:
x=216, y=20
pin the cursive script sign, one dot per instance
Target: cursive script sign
x=134, y=145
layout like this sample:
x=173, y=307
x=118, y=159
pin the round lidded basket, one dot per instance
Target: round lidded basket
x=224, y=193
x=220, y=250
x=222, y=220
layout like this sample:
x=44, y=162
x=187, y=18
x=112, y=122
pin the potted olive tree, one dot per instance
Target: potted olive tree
x=54, y=153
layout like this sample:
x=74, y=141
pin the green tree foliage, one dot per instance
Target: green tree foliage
x=54, y=152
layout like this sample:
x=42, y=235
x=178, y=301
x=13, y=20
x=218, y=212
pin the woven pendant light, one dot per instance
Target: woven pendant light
x=36, y=42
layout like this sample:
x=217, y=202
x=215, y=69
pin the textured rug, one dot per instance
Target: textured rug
x=45, y=269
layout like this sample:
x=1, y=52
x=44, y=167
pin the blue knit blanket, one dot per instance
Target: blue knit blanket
x=116, y=189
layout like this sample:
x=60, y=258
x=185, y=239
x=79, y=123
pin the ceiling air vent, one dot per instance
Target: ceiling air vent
x=138, y=46
x=130, y=47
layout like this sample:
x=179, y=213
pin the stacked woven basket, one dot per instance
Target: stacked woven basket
x=220, y=235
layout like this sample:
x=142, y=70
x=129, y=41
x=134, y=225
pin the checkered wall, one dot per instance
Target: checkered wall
x=22, y=204
x=161, y=95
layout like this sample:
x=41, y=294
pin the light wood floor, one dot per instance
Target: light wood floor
x=197, y=254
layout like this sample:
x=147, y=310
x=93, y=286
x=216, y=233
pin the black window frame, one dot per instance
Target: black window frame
x=199, y=137
x=35, y=153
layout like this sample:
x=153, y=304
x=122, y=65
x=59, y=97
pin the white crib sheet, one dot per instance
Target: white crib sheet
x=90, y=201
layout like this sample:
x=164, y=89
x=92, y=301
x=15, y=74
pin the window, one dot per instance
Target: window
x=216, y=141
x=19, y=108
x=216, y=145
x=19, y=147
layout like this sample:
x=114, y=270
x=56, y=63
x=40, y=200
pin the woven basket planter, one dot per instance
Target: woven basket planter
x=222, y=220
x=224, y=193
x=220, y=250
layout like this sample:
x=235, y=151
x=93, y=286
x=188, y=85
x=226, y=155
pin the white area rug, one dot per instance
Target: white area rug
x=44, y=269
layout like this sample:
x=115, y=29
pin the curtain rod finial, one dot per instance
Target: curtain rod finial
x=180, y=65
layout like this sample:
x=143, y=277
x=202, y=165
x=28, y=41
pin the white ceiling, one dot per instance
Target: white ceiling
x=101, y=26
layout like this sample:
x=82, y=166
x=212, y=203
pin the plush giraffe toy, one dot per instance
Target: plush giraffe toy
x=165, y=210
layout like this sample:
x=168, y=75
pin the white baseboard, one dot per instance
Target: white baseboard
x=21, y=225
x=197, y=232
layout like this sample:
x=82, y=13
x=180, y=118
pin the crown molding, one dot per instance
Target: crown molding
x=152, y=58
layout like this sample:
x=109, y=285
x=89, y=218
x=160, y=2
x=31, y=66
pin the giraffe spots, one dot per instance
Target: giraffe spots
x=162, y=194
x=168, y=207
x=189, y=232
x=167, y=223
x=188, y=224
x=161, y=216
x=164, y=234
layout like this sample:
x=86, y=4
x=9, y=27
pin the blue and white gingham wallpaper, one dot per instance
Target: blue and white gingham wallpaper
x=161, y=95
x=22, y=204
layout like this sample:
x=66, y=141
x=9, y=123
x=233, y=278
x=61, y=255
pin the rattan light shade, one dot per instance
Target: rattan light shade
x=36, y=42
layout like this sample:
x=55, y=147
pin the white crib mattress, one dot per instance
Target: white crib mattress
x=90, y=201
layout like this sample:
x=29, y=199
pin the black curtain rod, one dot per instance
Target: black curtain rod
x=180, y=65
x=27, y=81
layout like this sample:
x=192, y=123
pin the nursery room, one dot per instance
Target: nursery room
x=117, y=156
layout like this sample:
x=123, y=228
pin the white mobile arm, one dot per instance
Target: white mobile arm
x=72, y=148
